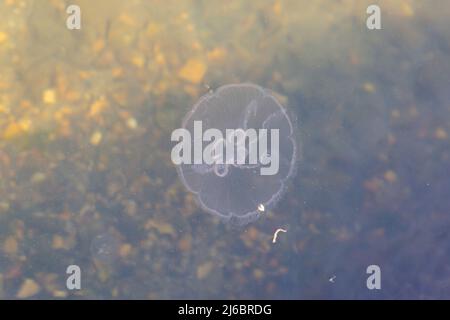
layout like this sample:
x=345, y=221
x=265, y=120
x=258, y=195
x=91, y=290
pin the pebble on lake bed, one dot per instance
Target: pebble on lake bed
x=28, y=289
x=49, y=96
x=96, y=138
x=193, y=71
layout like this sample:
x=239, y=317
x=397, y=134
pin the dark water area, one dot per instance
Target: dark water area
x=86, y=176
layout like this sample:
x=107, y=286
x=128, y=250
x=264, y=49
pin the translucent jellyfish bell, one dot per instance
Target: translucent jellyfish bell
x=237, y=191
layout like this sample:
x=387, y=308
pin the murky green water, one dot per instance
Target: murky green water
x=86, y=176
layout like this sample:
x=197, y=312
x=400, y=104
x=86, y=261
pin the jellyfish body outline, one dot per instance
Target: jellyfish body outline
x=249, y=111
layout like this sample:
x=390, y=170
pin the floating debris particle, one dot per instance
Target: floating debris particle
x=332, y=279
x=28, y=289
x=261, y=208
x=208, y=87
x=275, y=235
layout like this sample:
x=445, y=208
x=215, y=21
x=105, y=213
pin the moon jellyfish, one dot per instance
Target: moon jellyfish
x=237, y=150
